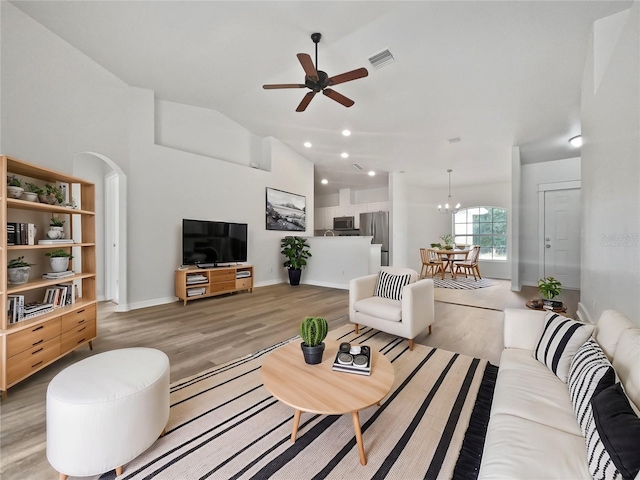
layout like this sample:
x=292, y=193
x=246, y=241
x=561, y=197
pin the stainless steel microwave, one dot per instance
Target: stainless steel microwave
x=343, y=223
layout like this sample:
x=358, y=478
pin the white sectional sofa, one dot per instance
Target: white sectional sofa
x=532, y=431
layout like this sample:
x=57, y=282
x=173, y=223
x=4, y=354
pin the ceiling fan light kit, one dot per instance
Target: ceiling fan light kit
x=318, y=81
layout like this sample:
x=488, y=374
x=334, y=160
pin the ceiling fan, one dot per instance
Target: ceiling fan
x=318, y=81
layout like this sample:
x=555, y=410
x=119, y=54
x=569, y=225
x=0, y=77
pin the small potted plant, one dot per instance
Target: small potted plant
x=18, y=271
x=550, y=288
x=31, y=192
x=448, y=241
x=313, y=331
x=56, y=230
x=14, y=187
x=52, y=195
x=296, y=249
x=59, y=260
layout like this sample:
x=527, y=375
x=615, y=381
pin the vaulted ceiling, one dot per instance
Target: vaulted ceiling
x=494, y=74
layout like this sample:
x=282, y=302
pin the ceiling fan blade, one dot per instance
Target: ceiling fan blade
x=333, y=95
x=283, y=85
x=305, y=102
x=347, y=77
x=307, y=64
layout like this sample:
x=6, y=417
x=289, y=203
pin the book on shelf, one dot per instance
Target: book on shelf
x=55, y=241
x=358, y=363
x=15, y=308
x=60, y=295
x=21, y=233
x=192, y=292
x=55, y=275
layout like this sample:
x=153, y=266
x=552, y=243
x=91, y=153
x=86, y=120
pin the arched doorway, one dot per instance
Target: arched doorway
x=111, y=224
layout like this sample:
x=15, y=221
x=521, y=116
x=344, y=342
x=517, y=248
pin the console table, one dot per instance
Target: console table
x=193, y=282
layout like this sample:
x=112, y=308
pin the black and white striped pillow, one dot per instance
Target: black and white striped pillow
x=560, y=340
x=591, y=373
x=390, y=286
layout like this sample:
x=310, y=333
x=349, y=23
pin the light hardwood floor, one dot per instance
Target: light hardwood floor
x=212, y=331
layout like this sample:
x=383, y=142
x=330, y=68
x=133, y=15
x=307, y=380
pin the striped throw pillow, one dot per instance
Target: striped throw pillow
x=590, y=374
x=560, y=340
x=390, y=286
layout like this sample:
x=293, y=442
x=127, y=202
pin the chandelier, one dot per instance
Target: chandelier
x=448, y=207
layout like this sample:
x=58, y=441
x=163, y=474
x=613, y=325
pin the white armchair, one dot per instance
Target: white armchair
x=405, y=318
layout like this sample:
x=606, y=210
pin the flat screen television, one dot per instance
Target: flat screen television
x=210, y=243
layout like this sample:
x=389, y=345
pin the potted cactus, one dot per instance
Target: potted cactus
x=313, y=331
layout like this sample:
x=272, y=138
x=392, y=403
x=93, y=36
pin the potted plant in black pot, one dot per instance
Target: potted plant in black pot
x=550, y=288
x=313, y=331
x=296, y=249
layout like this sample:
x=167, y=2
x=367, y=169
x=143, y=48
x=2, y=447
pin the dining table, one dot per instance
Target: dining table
x=449, y=257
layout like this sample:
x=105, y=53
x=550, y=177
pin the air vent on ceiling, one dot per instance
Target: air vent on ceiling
x=455, y=140
x=357, y=166
x=381, y=59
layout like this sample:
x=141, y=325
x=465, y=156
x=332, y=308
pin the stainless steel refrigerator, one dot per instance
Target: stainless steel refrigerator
x=376, y=224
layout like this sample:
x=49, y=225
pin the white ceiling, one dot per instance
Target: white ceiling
x=496, y=74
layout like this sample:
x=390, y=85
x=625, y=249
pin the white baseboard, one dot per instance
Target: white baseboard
x=152, y=303
x=268, y=282
x=341, y=286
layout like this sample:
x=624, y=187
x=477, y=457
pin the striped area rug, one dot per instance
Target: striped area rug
x=462, y=283
x=225, y=424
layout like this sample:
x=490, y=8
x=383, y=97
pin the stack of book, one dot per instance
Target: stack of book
x=196, y=278
x=192, y=292
x=21, y=233
x=358, y=362
x=54, y=241
x=36, y=308
x=58, y=275
x=61, y=295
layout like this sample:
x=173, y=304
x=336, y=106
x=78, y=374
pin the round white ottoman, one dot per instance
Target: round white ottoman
x=104, y=411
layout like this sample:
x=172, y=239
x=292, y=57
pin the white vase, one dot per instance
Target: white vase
x=59, y=264
x=55, y=232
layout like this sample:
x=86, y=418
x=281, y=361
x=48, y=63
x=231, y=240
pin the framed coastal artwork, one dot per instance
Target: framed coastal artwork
x=285, y=211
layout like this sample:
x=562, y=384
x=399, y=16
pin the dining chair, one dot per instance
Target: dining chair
x=434, y=262
x=470, y=265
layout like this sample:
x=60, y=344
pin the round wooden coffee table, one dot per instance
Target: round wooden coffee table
x=318, y=389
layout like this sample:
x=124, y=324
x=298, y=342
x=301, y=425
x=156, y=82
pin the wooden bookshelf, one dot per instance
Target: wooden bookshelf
x=30, y=345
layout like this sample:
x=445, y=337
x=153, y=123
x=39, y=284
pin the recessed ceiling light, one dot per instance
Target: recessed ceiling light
x=576, y=141
x=307, y=144
x=372, y=173
x=324, y=181
x=346, y=132
x=344, y=155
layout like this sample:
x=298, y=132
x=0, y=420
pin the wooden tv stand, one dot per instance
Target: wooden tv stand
x=214, y=281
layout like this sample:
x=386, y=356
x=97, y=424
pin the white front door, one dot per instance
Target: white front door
x=562, y=236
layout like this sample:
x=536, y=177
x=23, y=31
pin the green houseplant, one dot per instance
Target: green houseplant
x=549, y=288
x=296, y=249
x=18, y=271
x=31, y=192
x=56, y=229
x=52, y=195
x=448, y=241
x=313, y=330
x=14, y=187
x=59, y=260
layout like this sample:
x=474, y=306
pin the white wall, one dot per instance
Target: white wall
x=531, y=176
x=181, y=127
x=425, y=225
x=610, y=249
x=168, y=185
x=56, y=102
